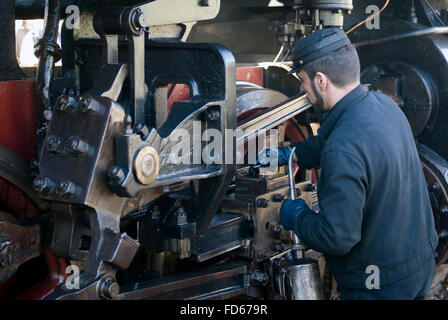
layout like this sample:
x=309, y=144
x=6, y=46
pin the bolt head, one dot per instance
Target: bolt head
x=67, y=103
x=66, y=189
x=88, y=105
x=109, y=288
x=53, y=144
x=212, y=114
x=116, y=174
x=262, y=203
x=142, y=131
x=278, y=197
x=77, y=147
x=43, y=185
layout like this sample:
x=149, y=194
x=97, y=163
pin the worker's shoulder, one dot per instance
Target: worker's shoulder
x=373, y=122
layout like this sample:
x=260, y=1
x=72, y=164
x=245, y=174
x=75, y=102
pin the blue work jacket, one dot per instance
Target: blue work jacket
x=374, y=207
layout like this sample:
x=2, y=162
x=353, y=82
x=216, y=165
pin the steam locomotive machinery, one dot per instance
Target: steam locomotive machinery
x=104, y=195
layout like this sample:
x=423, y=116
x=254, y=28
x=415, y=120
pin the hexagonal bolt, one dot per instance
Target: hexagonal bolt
x=278, y=197
x=260, y=278
x=5, y=254
x=44, y=185
x=276, y=229
x=181, y=215
x=212, y=114
x=66, y=189
x=142, y=131
x=108, y=288
x=53, y=144
x=77, y=147
x=67, y=103
x=262, y=203
x=116, y=174
x=310, y=187
x=89, y=105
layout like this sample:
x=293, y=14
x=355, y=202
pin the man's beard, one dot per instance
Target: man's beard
x=319, y=104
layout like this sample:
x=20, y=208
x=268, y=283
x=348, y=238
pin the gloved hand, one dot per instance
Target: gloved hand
x=280, y=155
x=289, y=212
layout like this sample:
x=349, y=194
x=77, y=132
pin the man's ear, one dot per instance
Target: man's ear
x=321, y=81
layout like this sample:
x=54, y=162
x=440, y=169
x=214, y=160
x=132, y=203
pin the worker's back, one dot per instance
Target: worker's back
x=397, y=226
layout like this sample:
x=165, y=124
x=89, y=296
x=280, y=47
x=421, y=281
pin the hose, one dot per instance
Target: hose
x=48, y=52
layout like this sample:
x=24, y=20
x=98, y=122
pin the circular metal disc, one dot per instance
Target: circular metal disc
x=146, y=165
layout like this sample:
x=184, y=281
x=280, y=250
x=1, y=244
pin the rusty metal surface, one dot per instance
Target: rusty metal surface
x=17, y=245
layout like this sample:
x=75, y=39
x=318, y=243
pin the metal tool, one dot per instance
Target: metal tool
x=300, y=278
x=298, y=249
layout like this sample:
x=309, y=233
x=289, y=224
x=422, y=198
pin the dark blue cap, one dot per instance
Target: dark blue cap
x=317, y=45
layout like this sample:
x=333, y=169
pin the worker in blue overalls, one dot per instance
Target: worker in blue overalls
x=374, y=225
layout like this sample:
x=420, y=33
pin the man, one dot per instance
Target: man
x=375, y=225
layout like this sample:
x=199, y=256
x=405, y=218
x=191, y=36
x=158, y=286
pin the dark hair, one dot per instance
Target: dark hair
x=342, y=66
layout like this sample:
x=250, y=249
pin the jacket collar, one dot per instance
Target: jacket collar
x=339, y=108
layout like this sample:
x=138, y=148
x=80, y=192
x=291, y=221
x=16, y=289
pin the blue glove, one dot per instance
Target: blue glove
x=290, y=211
x=281, y=155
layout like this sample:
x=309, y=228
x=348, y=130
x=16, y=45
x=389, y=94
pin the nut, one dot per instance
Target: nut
x=89, y=105
x=278, y=197
x=108, y=288
x=66, y=189
x=116, y=174
x=212, y=114
x=43, y=185
x=142, y=131
x=53, y=144
x=67, y=103
x=77, y=147
x=262, y=203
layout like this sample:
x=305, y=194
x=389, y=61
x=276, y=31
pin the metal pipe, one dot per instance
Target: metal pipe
x=48, y=52
x=407, y=35
x=292, y=190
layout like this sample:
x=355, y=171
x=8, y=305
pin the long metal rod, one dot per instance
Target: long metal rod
x=292, y=189
x=412, y=34
x=272, y=117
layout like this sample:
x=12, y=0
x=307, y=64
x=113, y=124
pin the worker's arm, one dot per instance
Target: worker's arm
x=336, y=229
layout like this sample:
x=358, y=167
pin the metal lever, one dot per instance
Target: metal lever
x=297, y=248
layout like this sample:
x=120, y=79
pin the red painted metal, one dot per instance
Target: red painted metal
x=18, y=117
x=56, y=276
x=18, y=134
x=254, y=74
x=177, y=92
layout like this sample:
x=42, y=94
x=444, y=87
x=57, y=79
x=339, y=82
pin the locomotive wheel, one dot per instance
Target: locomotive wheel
x=435, y=170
